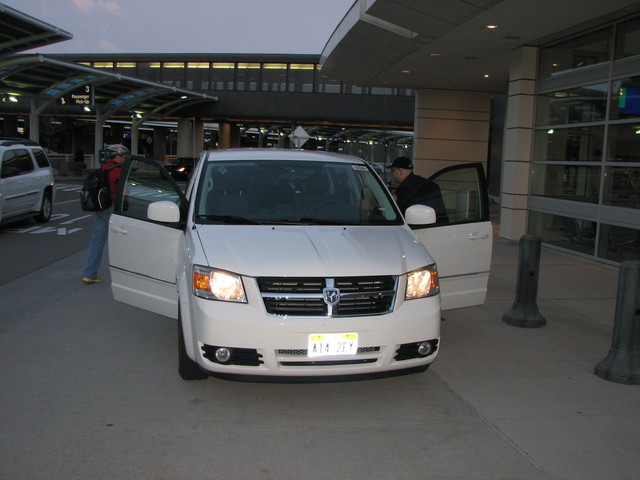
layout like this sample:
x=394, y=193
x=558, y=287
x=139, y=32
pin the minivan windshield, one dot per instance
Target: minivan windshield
x=289, y=192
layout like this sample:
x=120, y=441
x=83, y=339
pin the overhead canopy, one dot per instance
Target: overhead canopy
x=53, y=82
x=20, y=32
x=446, y=44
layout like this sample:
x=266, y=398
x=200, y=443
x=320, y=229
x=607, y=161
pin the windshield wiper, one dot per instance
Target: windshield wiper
x=230, y=219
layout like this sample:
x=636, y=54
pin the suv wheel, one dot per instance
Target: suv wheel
x=45, y=210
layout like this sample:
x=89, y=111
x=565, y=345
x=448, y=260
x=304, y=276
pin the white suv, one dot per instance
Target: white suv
x=299, y=264
x=26, y=181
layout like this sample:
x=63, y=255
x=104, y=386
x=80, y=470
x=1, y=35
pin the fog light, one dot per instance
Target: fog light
x=223, y=354
x=424, y=348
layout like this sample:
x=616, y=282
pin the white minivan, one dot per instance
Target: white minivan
x=287, y=263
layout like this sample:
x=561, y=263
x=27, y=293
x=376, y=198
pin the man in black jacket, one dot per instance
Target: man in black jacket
x=413, y=189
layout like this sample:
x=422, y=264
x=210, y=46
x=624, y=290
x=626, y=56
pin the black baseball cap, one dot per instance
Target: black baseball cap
x=402, y=162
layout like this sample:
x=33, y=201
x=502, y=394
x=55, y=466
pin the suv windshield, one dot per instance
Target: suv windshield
x=293, y=192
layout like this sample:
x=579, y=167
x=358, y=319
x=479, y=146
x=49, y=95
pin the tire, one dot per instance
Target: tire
x=46, y=208
x=187, y=368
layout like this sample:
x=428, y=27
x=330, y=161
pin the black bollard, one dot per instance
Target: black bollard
x=622, y=364
x=524, y=312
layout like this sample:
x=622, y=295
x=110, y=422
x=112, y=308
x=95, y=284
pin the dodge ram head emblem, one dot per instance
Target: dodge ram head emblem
x=331, y=296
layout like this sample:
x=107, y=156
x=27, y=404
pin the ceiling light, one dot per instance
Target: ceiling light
x=405, y=71
x=435, y=54
x=486, y=75
x=491, y=27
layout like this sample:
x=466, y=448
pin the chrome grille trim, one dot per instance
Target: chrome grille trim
x=303, y=296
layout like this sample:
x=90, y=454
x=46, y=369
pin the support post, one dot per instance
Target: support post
x=524, y=312
x=622, y=364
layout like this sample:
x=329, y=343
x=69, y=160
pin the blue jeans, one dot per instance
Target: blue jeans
x=98, y=240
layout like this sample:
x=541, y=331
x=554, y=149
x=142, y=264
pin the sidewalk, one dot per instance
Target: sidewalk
x=536, y=386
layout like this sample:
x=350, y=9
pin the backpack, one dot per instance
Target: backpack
x=96, y=190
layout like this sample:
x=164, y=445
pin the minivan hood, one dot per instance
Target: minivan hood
x=303, y=251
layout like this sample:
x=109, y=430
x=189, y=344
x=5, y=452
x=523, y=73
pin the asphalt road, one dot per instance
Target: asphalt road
x=27, y=246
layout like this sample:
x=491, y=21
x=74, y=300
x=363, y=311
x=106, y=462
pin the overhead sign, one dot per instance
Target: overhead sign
x=81, y=96
x=299, y=137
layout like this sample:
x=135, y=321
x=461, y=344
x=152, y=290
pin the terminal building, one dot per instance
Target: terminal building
x=545, y=94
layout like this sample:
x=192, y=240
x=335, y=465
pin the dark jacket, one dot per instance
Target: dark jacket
x=417, y=190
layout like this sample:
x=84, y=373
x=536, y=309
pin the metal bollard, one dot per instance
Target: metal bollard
x=622, y=364
x=524, y=312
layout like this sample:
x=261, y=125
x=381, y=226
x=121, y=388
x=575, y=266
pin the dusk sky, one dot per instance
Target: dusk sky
x=188, y=26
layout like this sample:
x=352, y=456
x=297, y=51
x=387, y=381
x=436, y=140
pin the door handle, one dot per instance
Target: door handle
x=478, y=236
x=118, y=229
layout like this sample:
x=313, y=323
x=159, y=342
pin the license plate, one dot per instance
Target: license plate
x=325, y=344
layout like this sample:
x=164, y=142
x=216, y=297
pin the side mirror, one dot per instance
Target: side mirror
x=163, y=211
x=420, y=215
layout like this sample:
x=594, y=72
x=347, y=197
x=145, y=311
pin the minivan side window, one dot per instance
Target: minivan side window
x=24, y=160
x=10, y=164
x=41, y=158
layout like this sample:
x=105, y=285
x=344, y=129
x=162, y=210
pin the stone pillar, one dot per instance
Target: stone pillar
x=451, y=127
x=198, y=143
x=34, y=123
x=518, y=143
x=228, y=135
x=159, y=143
x=185, y=137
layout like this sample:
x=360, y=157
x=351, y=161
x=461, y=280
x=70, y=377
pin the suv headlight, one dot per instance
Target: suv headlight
x=215, y=284
x=422, y=283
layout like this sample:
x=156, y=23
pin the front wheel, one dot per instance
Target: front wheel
x=46, y=208
x=187, y=368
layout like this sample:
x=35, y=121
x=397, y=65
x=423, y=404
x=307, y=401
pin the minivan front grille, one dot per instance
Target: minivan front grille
x=356, y=296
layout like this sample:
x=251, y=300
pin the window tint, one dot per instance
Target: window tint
x=293, y=192
x=24, y=160
x=144, y=184
x=463, y=192
x=41, y=158
x=16, y=162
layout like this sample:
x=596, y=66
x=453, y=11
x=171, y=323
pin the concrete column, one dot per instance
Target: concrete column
x=228, y=135
x=450, y=127
x=518, y=143
x=99, y=142
x=198, y=138
x=185, y=137
x=34, y=123
x=159, y=143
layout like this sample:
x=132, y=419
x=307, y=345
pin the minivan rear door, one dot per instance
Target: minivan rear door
x=461, y=244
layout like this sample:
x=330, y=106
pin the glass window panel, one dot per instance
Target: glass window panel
x=575, y=105
x=626, y=98
x=274, y=77
x=381, y=91
x=173, y=73
x=198, y=75
x=566, y=232
x=624, y=143
x=149, y=71
x=327, y=84
x=222, y=75
x=247, y=76
x=580, y=144
x=622, y=187
x=619, y=243
x=301, y=77
x=566, y=182
x=580, y=52
x=628, y=39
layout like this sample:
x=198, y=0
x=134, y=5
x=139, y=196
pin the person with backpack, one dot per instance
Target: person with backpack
x=113, y=168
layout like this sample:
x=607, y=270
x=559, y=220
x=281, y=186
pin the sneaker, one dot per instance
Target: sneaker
x=87, y=280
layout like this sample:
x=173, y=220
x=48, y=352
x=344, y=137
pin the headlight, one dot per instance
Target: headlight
x=215, y=284
x=422, y=283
